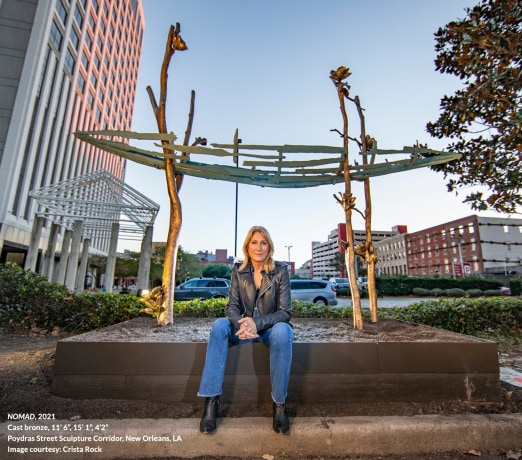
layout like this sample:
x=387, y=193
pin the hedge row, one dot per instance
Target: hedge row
x=404, y=285
x=29, y=301
x=464, y=315
x=456, y=292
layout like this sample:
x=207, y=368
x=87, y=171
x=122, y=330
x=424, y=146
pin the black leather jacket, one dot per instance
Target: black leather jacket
x=273, y=304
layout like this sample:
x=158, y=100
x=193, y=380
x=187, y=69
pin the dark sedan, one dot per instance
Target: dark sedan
x=202, y=288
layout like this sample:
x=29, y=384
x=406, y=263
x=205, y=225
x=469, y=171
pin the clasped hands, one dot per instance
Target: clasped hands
x=247, y=329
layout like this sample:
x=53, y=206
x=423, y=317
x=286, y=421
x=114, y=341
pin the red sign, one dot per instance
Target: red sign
x=463, y=269
x=457, y=270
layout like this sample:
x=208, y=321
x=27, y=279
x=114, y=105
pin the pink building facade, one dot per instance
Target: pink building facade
x=65, y=66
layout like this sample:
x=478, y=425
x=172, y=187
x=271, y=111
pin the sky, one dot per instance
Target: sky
x=263, y=67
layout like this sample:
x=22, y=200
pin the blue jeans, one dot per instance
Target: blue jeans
x=279, y=338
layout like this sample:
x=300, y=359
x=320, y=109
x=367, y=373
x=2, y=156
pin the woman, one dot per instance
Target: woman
x=258, y=309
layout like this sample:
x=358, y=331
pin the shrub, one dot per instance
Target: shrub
x=403, y=285
x=210, y=308
x=473, y=293
x=456, y=292
x=492, y=293
x=464, y=315
x=437, y=292
x=421, y=292
x=515, y=284
x=28, y=300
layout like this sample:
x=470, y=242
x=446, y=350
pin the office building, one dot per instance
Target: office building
x=328, y=256
x=65, y=66
x=391, y=253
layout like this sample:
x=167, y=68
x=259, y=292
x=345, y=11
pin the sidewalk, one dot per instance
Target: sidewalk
x=253, y=437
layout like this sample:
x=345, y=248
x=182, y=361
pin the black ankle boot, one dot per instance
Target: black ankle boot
x=210, y=413
x=280, y=423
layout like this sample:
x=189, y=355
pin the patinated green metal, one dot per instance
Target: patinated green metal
x=261, y=167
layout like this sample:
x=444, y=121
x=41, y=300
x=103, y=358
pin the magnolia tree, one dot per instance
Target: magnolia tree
x=484, y=117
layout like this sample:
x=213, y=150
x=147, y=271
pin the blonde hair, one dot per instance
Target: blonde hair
x=269, y=264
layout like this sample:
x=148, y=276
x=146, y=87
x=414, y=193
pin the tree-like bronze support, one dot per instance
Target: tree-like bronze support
x=174, y=180
x=347, y=200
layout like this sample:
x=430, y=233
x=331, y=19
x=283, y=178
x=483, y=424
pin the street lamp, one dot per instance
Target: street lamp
x=288, y=247
x=237, y=141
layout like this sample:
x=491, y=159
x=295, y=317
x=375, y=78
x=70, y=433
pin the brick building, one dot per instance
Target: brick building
x=466, y=246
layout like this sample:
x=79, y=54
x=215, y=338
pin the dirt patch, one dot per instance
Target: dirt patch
x=197, y=330
x=26, y=372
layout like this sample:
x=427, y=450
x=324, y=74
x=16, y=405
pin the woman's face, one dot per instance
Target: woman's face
x=258, y=248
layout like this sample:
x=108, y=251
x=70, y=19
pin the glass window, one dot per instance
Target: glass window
x=88, y=41
x=75, y=40
x=69, y=61
x=62, y=12
x=92, y=22
x=85, y=61
x=56, y=36
x=190, y=284
x=78, y=16
x=96, y=61
x=318, y=285
x=81, y=82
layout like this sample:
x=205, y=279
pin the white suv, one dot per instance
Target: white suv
x=317, y=291
x=339, y=283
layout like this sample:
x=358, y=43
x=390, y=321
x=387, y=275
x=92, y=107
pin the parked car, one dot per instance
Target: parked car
x=339, y=283
x=202, y=288
x=362, y=282
x=318, y=291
